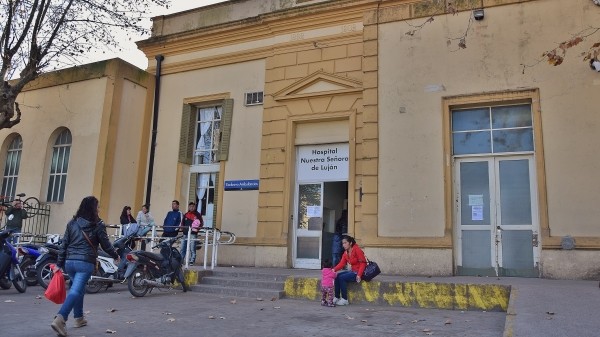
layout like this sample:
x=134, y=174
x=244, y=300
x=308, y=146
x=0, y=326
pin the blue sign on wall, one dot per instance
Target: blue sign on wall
x=241, y=185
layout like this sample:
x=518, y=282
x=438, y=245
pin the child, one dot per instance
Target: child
x=327, y=277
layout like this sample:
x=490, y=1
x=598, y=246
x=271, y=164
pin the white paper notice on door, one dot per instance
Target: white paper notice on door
x=477, y=213
x=313, y=211
x=475, y=199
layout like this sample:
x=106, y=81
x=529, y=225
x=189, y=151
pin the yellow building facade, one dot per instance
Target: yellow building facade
x=454, y=148
x=83, y=131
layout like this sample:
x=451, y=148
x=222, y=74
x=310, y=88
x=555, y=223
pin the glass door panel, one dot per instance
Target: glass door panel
x=309, y=226
x=475, y=218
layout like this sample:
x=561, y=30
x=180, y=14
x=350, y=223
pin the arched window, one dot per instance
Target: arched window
x=11, y=167
x=58, y=167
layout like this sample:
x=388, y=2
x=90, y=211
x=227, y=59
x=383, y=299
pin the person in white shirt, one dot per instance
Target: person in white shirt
x=146, y=221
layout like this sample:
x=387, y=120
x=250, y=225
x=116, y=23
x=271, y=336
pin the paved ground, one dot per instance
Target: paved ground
x=185, y=314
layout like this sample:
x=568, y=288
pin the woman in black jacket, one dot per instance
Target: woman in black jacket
x=77, y=256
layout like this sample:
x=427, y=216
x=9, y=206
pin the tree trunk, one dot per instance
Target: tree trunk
x=10, y=114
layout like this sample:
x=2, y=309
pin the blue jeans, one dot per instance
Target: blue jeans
x=341, y=281
x=335, y=258
x=184, y=245
x=15, y=237
x=79, y=272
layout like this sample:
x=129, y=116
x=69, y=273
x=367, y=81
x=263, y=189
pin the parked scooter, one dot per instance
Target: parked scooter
x=10, y=270
x=48, y=256
x=147, y=270
x=107, y=272
x=28, y=256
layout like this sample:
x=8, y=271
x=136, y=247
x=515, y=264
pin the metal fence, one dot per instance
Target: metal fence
x=37, y=225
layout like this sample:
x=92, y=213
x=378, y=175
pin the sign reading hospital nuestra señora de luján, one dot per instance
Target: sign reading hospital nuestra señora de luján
x=324, y=162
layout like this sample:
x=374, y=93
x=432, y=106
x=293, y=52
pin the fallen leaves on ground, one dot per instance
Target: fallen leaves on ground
x=170, y=319
x=110, y=331
x=130, y=322
x=167, y=313
x=9, y=301
x=233, y=301
x=38, y=297
x=111, y=310
x=448, y=322
x=259, y=299
x=211, y=317
x=348, y=317
x=276, y=307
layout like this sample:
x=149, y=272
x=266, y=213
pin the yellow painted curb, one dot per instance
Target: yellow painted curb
x=432, y=295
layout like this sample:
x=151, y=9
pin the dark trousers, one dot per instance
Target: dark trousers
x=341, y=283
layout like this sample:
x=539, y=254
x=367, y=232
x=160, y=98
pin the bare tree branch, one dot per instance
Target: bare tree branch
x=38, y=34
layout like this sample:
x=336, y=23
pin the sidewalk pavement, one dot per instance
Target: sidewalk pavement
x=535, y=307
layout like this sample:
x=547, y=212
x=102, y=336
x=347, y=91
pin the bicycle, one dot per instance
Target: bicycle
x=31, y=205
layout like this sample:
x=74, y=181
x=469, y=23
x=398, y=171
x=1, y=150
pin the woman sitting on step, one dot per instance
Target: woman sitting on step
x=355, y=256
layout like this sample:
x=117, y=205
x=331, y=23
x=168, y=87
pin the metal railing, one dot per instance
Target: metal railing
x=208, y=237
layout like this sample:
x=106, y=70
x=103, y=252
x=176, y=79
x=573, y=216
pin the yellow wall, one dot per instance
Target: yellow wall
x=352, y=63
x=108, y=120
x=244, y=151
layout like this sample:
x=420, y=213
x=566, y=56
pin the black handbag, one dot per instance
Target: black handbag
x=371, y=271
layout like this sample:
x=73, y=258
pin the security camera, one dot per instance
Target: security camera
x=478, y=14
x=595, y=65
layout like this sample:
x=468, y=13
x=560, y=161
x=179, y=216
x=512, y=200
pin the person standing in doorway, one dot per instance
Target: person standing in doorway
x=172, y=221
x=77, y=256
x=341, y=228
x=188, y=219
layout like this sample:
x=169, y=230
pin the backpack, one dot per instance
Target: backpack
x=131, y=229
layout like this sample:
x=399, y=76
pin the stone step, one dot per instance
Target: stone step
x=236, y=282
x=264, y=294
x=232, y=274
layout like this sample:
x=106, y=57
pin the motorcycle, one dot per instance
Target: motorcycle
x=147, y=270
x=10, y=270
x=48, y=256
x=28, y=256
x=107, y=272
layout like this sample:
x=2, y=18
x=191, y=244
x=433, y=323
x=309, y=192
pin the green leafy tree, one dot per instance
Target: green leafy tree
x=40, y=34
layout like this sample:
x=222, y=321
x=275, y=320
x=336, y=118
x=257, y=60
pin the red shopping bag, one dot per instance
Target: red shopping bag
x=56, y=291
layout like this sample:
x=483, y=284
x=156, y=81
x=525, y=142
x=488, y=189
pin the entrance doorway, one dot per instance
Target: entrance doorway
x=496, y=209
x=321, y=194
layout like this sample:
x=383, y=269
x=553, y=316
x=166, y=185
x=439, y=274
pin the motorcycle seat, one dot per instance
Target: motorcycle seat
x=151, y=255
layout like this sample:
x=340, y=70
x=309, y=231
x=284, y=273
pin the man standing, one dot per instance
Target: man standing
x=15, y=215
x=172, y=221
x=189, y=217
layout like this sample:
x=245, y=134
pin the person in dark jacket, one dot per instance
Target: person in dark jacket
x=341, y=227
x=77, y=256
x=15, y=215
x=126, y=220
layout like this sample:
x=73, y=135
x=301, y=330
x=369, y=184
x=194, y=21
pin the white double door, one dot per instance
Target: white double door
x=496, y=216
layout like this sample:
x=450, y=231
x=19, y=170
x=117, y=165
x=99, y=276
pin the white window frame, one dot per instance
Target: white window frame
x=11, y=167
x=57, y=175
x=215, y=129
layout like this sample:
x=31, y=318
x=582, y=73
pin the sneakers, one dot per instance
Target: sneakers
x=335, y=300
x=80, y=322
x=342, y=301
x=59, y=326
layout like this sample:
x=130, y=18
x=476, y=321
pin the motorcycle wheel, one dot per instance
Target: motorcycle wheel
x=134, y=283
x=44, y=273
x=5, y=283
x=28, y=269
x=181, y=279
x=18, y=279
x=92, y=287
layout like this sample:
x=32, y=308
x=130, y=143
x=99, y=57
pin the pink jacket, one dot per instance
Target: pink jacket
x=327, y=277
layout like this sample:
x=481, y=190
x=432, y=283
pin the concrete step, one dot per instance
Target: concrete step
x=232, y=274
x=243, y=282
x=264, y=294
x=232, y=282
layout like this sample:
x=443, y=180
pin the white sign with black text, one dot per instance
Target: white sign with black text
x=323, y=162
